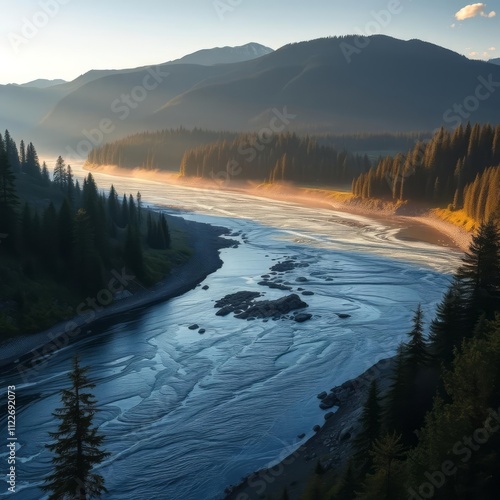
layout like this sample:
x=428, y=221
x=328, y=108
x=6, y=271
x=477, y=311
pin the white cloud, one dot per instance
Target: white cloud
x=492, y=49
x=473, y=10
x=453, y=25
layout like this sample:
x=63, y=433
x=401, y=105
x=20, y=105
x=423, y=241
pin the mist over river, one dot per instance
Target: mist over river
x=185, y=414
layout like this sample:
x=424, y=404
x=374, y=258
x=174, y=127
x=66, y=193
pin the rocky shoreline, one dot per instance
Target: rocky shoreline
x=205, y=242
x=330, y=446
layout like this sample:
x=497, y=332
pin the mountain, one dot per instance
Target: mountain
x=225, y=55
x=42, y=83
x=495, y=61
x=325, y=85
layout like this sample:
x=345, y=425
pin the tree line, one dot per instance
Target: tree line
x=58, y=233
x=274, y=158
x=434, y=433
x=457, y=169
x=162, y=150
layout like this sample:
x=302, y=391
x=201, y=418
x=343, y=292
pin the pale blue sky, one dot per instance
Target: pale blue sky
x=79, y=35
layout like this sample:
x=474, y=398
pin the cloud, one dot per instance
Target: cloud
x=453, y=25
x=473, y=10
x=492, y=49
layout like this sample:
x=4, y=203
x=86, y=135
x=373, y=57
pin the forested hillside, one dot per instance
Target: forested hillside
x=280, y=157
x=61, y=242
x=435, y=432
x=162, y=150
x=460, y=169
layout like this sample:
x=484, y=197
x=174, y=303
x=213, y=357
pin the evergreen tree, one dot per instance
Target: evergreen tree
x=32, y=165
x=45, y=175
x=22, y=155
x=12, y=153
x=70, y=185
x=395, y=403
x=416, y=349
x=78, y=444
x=371, y=422
x=8, y=199
x=480, y=273
x=124, y=214
x=448, y=328
x=60, y=175
x=387, y=483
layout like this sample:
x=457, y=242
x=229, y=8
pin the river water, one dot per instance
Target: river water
x=184, y=414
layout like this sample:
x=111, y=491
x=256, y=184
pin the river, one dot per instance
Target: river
x=184, y=414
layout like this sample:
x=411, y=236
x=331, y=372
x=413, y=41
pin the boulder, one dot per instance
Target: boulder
x=273, y=308
x=287, y=265
x=194, y=327
x=306, y=293
x=301, y=318
x=329, y=402
x=201, y=331
x=343, y=316
x=302, y=279
x=329, y=415
x=316, y=428
x=206, y=287
x=322, y=395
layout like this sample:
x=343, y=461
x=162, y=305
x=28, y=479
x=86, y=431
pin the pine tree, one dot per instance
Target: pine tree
x=387, y=483
x=480, y=273
x=416, y=353
x=22, y=155
x=70, y=185
x=32, y=165
x=77, y=445
x=45, y=175
x=8, y=199
x=60, y=173
x=370, y=426
x=448, y=327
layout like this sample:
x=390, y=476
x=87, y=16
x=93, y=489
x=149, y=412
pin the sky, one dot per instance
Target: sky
x=66, y=38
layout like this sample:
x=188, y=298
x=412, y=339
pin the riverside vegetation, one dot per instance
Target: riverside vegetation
x=61, y=241
x=435, y=431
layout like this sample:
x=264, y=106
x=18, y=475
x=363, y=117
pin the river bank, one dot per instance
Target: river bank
x=413, y=222
x=330, y=446
x=205, y=242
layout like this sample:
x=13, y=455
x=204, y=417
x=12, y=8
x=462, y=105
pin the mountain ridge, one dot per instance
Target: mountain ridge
x=327, y=84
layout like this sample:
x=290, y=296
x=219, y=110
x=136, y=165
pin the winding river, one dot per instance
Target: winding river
x=184, y=414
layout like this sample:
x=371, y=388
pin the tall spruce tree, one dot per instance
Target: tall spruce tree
x=416, y=353
x=480, y=273
x=77, y=444
x=8, y=199
x=371, y=422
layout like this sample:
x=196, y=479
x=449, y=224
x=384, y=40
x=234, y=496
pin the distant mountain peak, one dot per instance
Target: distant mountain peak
x=495, y=61
x=42, y=83
x=225, y=55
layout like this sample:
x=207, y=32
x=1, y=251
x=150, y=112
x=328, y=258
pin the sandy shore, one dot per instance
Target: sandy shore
x=415, y=222
x=29, y=350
